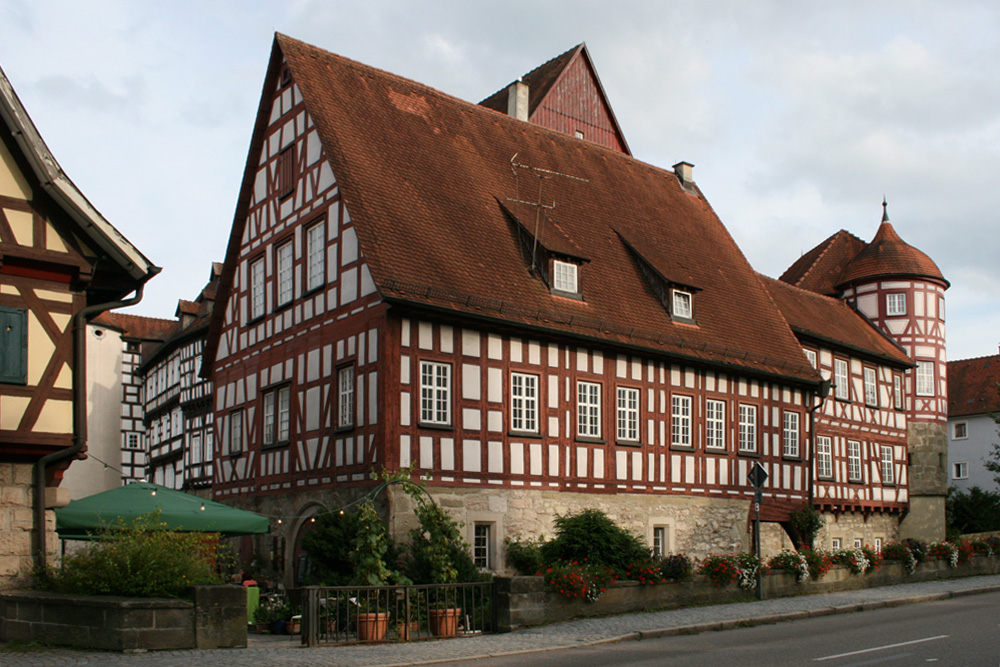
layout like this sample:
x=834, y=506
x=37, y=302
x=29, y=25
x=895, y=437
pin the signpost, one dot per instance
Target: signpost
x=757, y=477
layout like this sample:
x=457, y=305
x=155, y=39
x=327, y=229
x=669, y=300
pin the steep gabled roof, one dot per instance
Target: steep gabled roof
x=544, y=83
x=833, y=321
x=819, y=270
x=422, y=173
x=150, y=329
x=54, y=181
x=973, y=386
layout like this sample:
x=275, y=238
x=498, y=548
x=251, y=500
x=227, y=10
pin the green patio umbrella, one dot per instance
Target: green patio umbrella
x=82, y=519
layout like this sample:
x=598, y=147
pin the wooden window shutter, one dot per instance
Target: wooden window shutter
x=13, y=345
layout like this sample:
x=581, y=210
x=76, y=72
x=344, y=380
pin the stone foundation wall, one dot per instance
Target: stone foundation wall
x=849, y=527
x=695, y=526
x=17, y=525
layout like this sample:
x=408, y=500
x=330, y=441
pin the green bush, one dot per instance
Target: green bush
x=329, y=548
x=676, y=567
x=591, y=536
x=140, y=558
x=438, y=554
x=524, y=556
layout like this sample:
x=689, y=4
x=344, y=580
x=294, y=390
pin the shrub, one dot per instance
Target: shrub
x=965, y=551
x=917, y=547
x=329, y=548
x=994, y=542
x=592, y=537
x=874, y=558
x=943, y=551
x=140, y=558
x=438, y=554
x=726, y=569
x=576, y=580
x=807, y=522
x=647, y=572
x=818, y=561
x=982, y=547
x=721, y=569
x=525, y=556
x=676, y=567
x=792, y=562
x=854, y=560
x=900, y=551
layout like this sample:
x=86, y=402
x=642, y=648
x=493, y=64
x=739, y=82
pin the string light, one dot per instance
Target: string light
x=203, y=507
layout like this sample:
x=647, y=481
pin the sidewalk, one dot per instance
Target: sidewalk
x=267, y=651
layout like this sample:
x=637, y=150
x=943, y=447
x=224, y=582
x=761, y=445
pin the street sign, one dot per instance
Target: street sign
x=757, y=475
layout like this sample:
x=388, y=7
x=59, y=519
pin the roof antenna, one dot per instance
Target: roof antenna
x=542, y=174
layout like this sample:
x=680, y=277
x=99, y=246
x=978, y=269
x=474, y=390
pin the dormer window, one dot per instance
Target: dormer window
x=682, y=305
x=565, y=277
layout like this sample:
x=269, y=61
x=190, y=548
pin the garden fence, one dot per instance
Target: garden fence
x=347, y=614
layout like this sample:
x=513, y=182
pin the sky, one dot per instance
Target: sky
x=798, y=116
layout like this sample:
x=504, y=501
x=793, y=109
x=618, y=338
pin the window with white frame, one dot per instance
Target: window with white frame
x=961, y=430
x=941, y=308
x=925, y=378
x=283, y=259
x=435, y=393
x=960, y=470
x=841, y=379
x=888, y=470
x=588, y=409
x=858, y=543
x=854, y=460
x=276, y=414
x=897, y=391
x=811, y=356
x=345, y=397
x=895, y=304
x=628, y=414
x=194, y=448
x=524, y=402
x=481, y=543
x=682, y=304
x=715, y=424
x=748, y=428
x=878, y=544
x=824, y=457
x=835, y=542
x=790, y=434
x=680, y=421
x=235, y=444
x=257, y=288
x=564, y=277
x=315, y=255
x=871, y=387
x=659, y=541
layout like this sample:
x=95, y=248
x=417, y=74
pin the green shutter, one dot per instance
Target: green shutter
x=13, y=345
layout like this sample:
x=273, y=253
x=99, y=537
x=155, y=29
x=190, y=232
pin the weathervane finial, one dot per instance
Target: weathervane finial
x=885, y=210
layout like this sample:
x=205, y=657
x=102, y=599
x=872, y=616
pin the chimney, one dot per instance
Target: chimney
x=517, y=100
x=683, y=171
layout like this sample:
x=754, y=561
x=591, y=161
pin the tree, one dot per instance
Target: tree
x=972, y=511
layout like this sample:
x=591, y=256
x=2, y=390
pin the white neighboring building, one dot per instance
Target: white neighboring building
x=972, y=432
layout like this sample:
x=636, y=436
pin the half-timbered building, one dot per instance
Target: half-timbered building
x=60, y=263
x=177, y=401
x=531, y=322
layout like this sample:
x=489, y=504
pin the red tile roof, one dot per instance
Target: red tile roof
x=972, y=386
x=819, y=270
x=137, y=326
x=405, y=152
x=539, y=81
x=889, y=255
x=833, y=321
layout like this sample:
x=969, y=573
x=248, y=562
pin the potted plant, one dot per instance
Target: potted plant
x=370, y=546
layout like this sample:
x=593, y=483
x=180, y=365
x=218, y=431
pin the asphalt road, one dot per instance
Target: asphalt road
x=963, y=631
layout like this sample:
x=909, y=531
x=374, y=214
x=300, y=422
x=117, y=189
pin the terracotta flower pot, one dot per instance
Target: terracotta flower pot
x=372, y=626
x=444, y=622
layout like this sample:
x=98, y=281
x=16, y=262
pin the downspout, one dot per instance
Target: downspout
x=79, y=416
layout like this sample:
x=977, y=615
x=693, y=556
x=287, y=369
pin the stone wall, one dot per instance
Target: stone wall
x=17, y=524
x=928, y=470
x=695, y=526
x=527, y=601
x=216, y=619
